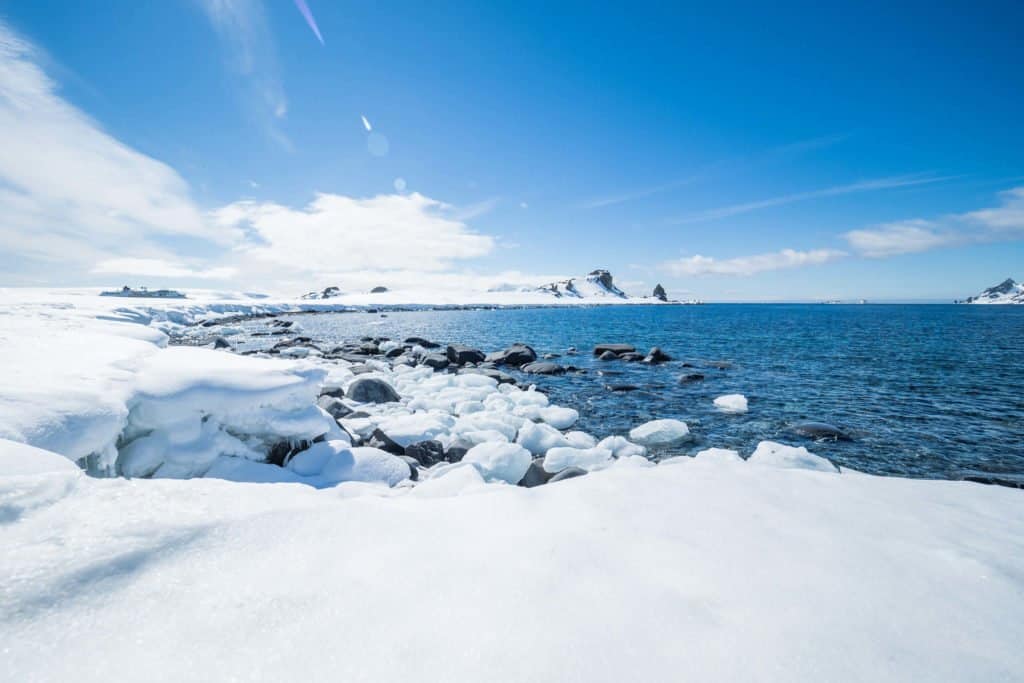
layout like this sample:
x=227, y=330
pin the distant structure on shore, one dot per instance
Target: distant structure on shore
x=143, y=293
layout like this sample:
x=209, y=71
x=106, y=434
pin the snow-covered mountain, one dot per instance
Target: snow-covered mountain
x=1006, y=292
x=328, y=293
x=597, y=284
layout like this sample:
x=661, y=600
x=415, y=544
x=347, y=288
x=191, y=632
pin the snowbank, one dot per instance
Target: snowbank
x=729, y=572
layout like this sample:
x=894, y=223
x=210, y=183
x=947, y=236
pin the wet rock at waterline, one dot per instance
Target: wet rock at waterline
x=543, y=368
x=820, y=430
x=372, y=390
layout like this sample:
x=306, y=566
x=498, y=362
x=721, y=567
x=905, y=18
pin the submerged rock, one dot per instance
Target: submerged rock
x=656, y=355
x=690, y=378
x=821, y=430
x=608, y=355
x=372, y=390
x=621, y=387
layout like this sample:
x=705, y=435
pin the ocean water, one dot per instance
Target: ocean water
x=924, y=390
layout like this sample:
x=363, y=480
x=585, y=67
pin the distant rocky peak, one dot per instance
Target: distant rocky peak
x=597, y=283
x=659, y=293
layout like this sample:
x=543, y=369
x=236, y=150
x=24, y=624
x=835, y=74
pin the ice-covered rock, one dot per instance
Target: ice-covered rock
x=579, y=439
x=539, y=438
x=731, y=403
x=722, y=455
x=793, y=457
x=621, y=447
x=660, y=433
x=502, y=461
x=559, y=458
x=331, y=462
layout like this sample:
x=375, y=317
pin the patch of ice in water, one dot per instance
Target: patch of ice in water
x=660, y=433
x=731, y=403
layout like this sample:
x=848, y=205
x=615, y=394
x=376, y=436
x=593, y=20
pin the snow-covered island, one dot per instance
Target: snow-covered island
x=1006, y=292
x=400, y=510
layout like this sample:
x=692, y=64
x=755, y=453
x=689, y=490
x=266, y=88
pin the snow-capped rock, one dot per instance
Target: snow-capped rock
x=1006, y=292
x=597, y=284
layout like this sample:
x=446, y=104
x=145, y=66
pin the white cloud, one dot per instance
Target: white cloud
x=750, y=265
x=69, y=190
x=338, y=234
x=861, y=186
x=905, y=237
x=151, y=267
x=1004, y=222
x=251, y=53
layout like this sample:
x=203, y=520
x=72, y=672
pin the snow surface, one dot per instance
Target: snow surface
x=337, y=566
x=702, y=571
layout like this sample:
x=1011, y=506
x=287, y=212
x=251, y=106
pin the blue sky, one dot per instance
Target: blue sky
x=739, y=151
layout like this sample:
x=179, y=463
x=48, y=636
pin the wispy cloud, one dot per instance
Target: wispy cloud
x=251, y=53
x=774, y=153
x=750, y=265
x=1003, y=222
x=69, y=190
x=874, y=185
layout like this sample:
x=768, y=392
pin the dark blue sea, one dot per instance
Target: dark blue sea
x=924, y=390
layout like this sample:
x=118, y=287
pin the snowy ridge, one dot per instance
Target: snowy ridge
x=1006, y=292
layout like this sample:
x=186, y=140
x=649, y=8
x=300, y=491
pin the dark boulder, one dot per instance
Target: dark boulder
x=631, y=356
x=621, y=387
x=435, y=360
x=536, y=475
x=543, y=368
x=221, y=343
x=617, y=349
x=517, y=354
x=608, y=355
x=395, y=352
x=426, y=453
x=567, y=473
x=656, y=355
x=336, y=392
x=372, y=390
x=378, y=290
x=455, y=453
x=384, y=442
x=691, y=377
x=334, y=407
x=282, y=451
x=821, y=431
x=460, y=354
x=420, y=341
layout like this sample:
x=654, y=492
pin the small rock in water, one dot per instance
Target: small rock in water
x=691, y=377
x=459, y=354
x=720, y=364
x=426, y=453
x=631, y=356
x=656, y=355
x=420, y=341
x=549, y=356
x=372, y=390
x=821, y=430
x=567, y=473
x=571, y=351
x=517, y=354
x=616, y=349
x=608, y=355
x=543, y=368
x=621, y=387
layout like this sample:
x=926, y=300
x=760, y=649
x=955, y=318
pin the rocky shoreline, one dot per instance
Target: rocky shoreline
x=438, y=407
